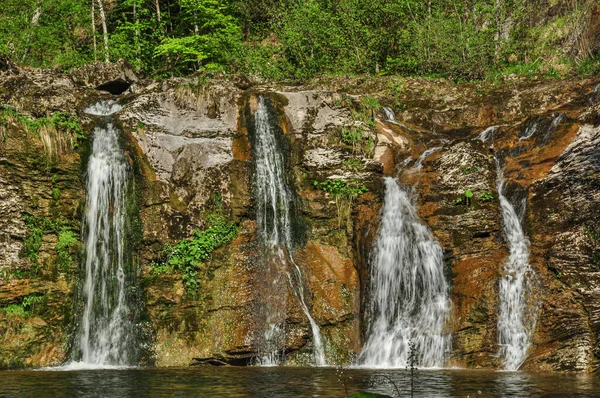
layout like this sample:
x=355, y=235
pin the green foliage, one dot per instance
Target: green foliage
x=212, y=43
x=15, y=310
x=293, y=39
x=25, y=308
x=67, y=240
x=465, y=199
x=188, y=255
x=353, y=164
x=351, y=136
x=344, y=192
x=370, y=103
x=33, y=239
x=466, y=170
x=60, y=36
x=486, y=197
x=340, y=188
x=62, y=121
x=55, y=194
x=589, y=66
x=37, y=228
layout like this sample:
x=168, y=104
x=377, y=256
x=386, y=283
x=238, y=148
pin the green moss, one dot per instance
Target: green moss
x=55, y=194
x=37, y=228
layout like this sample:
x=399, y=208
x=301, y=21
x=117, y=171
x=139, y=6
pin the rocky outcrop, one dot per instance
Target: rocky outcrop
x=40, y=202
x=191, y=143
x=197, y=143
x=114, y=78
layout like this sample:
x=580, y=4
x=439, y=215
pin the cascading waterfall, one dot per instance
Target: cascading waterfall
x=515, y=322
x=409, y=301
x=419, y=163
x=274, y=201
x=106, y=330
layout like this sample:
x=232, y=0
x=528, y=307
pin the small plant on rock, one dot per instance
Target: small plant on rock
x=352, y=136
x=486, y=197
x=466, y=199
x=353, y=164
x=466, y=170
x=344, y=193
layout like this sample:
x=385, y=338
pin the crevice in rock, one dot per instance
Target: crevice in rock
x=114, y=87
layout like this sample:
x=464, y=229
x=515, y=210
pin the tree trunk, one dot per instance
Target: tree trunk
x=94, y=32
x=138, y=49
x=34, y=21
x=104, y=29
x=158, y=12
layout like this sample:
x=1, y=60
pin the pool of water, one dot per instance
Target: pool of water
x=290, y=382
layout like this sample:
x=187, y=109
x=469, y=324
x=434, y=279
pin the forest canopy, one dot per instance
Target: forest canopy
x=301, y=39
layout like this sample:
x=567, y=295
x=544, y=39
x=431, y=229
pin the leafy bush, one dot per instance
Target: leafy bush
x=187, y=256
x=341, y=189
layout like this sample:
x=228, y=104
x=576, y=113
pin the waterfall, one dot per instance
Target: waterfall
x=106, y=329
x=515, y=323
x=419, y=163
x=274, y=201
x=409, y=302
x=487, y=134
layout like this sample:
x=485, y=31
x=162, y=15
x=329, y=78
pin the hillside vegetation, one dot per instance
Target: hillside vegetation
x=301, y=39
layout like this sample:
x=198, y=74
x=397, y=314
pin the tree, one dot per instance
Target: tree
x=212, y=42
x=104, y=29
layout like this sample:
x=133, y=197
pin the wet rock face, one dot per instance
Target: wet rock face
x=191, y=147
x=470, y=232
x=39, y=198
x=564, y=216
x=196, y=140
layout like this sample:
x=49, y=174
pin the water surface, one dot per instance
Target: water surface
x=289, y=382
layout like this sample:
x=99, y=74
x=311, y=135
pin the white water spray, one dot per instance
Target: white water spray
x=274, y=201
x=409, y=303
x=515, y=322
x=106, y=330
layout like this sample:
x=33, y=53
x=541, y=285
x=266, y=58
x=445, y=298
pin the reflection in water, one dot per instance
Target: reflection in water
x=289, y=382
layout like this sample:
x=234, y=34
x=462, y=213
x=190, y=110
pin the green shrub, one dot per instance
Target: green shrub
x=188, y=255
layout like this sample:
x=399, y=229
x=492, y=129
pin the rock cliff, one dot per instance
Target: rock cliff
x=191, y=142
